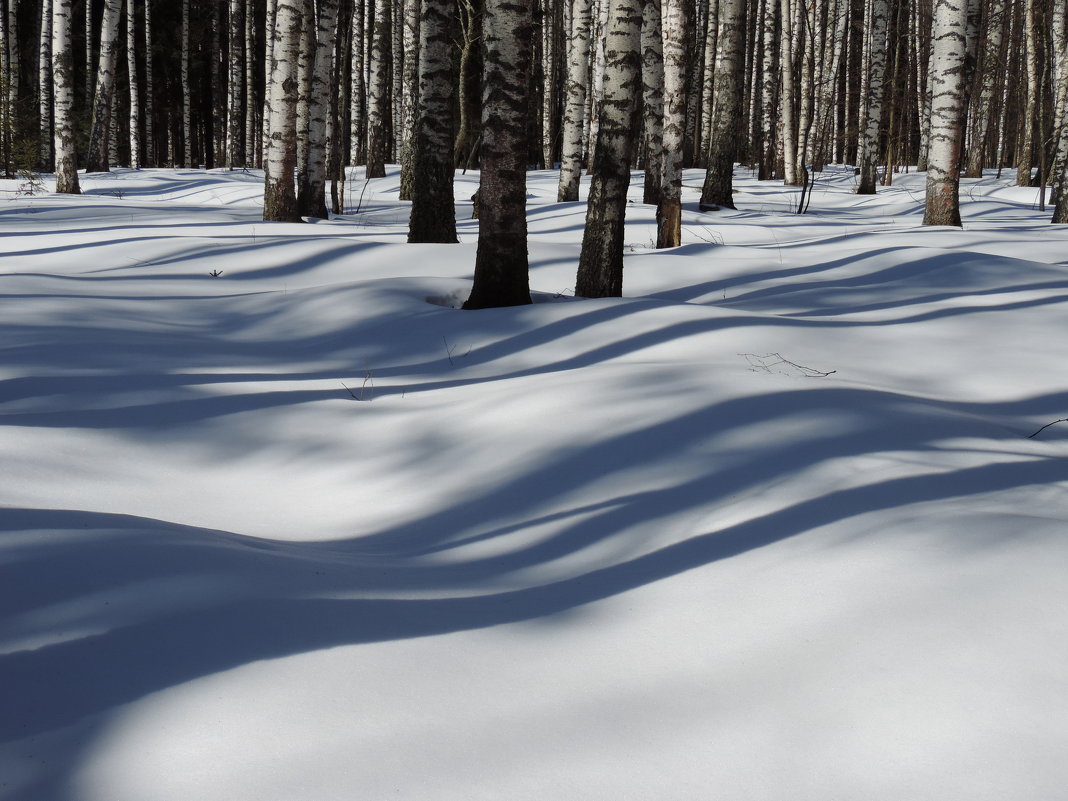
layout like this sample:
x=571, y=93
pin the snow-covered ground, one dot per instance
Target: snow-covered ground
x=770, y=527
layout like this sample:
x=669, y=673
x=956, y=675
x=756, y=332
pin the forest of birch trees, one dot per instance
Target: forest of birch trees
x=318, y=93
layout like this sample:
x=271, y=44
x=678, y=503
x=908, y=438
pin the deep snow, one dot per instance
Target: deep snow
x=769, y=527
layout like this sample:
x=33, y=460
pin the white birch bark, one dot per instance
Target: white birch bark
x=149, y=102
x=45, y=88
x=1059, y=19
x=787, y=99
x=722, y=145
x=379, y=100
x=433, y=216
x=279, y=194
x=875, y=69
x=501, y=263
x=251, y=132
x=135, y=98
x=311, y=197
x=769, y=92
x=187, y=92
x=600, y=271
x=983, y=106
x=578, y=78
x=97, y=155
x=708, y=78
x=63, y=82
x=409, y=81
x=921, y=27
x=357, y=108
x=652, y=64
x=235, y=73
x=674, y=24
x=1025, y=151
x=948, y=49
x=5, y=110
x=550, y=35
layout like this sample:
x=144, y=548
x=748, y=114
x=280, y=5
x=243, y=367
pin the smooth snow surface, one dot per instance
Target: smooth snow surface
x=770, y=527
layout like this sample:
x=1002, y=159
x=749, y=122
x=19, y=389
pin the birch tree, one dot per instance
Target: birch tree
x=651, y=48
x=501, y=265
x=675, y=24
x=149, y=102
x=311, y=195
x=379, y=100
x=97, y=156
x=872, y=109
x=44, y=88
x=187, y=92
x=135, y=97
x=235, y=133
x=947, y=99
x=578, y=81
x=600, y=270
x=433, y=216
x=788, y=94
x=409, y=96
x=279, y=192
x=63, y=98
x=718, y=185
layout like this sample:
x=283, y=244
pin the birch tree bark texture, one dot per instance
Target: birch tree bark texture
x=311, y=194
x=651, y=48
x=718, y=188
x=379, y=101
x=501, y=266
x=875, y=66
x=63, y=99
x=134, y=119
x=578, y=81
x=433, y=216
x=96, y=159
x=674, y=24
x=600, y=270
x=44, y=84
x=947, y=100
x=279, y=190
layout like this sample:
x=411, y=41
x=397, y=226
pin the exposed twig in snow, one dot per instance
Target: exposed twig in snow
x=769, y=360
x=368, y=378
x=1047, y=425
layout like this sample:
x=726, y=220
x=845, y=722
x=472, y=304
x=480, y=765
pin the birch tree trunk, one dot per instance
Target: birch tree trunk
x=149, y=102
x=875, y=68
x=550, y=36
x=63, y=82
x=97, y=156
x=235, y=72
x=652, y=61
x=922, y=24
x=718, y=186
x=433, y=217
x=379, y=99
x=501, y=266
x=947, y=99
x=6, y=116
x=409, y=97
x=252, y=153
x=187, y=92
x=600, y=270
x=984, y=102
x=357, y=108
x=135, y=102
x=788, y=97
x=1060, y=109
x=311, y=197
x=578, y=81
x=1026, y=148
x=676, y=56
x=769, y=92
x=279, y=191
x=45, y=87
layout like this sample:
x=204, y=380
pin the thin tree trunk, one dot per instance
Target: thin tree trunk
x=45, y=88
x=1025, y=152
x=433, y=216
x=875, y=69
x=718, y=189
x=501, y=266
x=279, y=195
x=235, y=72
x=63, y=81
x=984, y=105
x=675, y=24
x=948, y=47
x=187, y=92
x=578, y=80
x=652, y=63
x=379, y=99
x=409, y=97
x=135, y=97
x=600, y=271
x=769, y=94
x=149, y=102
x=97, y=157
x=311, y=197
x=788, y=98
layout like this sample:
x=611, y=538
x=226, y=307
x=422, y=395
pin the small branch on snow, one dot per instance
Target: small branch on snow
x=764, y=363
x=1047, y=425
